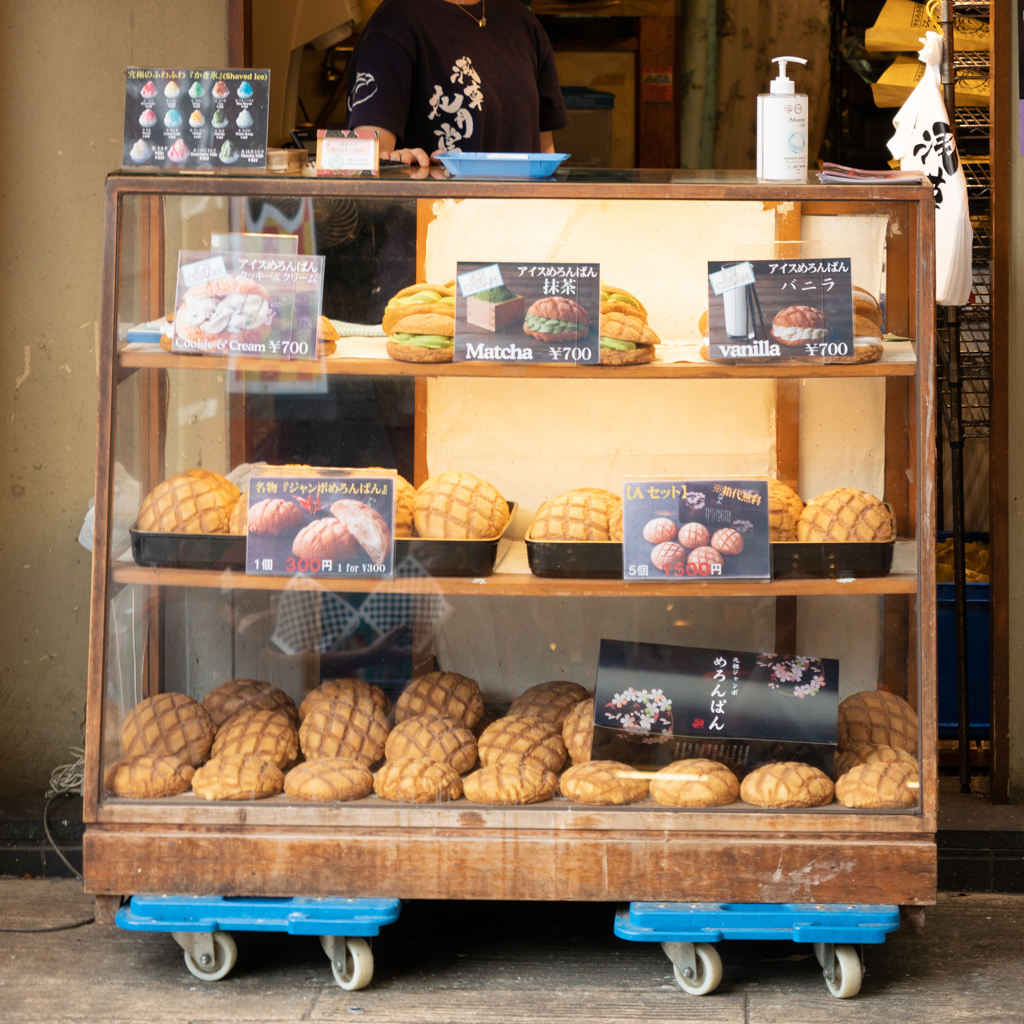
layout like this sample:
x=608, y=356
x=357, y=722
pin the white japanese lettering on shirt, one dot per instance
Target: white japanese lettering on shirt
x=451, y=134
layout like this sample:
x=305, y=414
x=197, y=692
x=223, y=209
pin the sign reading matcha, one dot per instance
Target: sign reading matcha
x=528, y=313
x=782, y=310
x=196, y=119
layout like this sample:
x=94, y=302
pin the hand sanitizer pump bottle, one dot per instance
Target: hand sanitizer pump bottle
x=782, y=128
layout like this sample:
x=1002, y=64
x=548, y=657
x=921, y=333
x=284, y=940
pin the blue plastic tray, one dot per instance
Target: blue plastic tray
x=859, y=924
x=297, y=916
x=502, y=165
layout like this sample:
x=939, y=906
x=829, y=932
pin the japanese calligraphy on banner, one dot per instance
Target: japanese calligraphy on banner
x=780, y=310
x=683, y=530
x=325, y=523
x=528, y=312
x=657, y=703
x=246, y=303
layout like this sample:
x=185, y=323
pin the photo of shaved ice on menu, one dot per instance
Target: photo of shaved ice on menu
x=262, y=305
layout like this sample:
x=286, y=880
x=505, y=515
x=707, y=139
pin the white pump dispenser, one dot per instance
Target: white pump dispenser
x=782, y=128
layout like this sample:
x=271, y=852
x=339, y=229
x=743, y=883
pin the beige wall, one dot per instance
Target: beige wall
x=62, y=78
x=1016, y=450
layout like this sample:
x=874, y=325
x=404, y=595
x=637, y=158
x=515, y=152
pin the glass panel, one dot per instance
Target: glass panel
x=184, y=618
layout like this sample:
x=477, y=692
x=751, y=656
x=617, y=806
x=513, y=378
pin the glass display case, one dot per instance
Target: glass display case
x=502, y=599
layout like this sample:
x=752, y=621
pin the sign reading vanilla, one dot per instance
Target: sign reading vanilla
x=528, y=313
x=196, y=118
x=781, y=310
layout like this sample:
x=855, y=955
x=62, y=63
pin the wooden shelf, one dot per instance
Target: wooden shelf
x=559, y=813
x=516, y=585
x=393, y=368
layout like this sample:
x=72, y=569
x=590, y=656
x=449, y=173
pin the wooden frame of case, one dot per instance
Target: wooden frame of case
x=372, y=848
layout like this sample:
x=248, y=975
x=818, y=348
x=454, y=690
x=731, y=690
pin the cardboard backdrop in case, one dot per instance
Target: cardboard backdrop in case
x=657, y=703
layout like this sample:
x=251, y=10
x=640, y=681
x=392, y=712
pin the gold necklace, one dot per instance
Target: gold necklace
x=482, y=20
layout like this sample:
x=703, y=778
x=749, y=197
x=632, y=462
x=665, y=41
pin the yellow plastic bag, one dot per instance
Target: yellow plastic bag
x=975, y=559
x=898, y=81
x=902, y=23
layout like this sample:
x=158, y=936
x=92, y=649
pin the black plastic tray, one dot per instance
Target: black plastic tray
x=794, y=561
x=567, y=559
x=454, y=557
x=602, y=560
x=227, y=551
x=188, y=550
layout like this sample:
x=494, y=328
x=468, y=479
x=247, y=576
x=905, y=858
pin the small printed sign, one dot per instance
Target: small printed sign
x=248, y=304
x=325, y=523
x=179, y=119
x=658, y=703
x=703, y=530
x=528, y=312
x=780, y=310
x=347, y=153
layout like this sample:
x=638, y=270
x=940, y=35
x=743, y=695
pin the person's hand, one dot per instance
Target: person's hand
x=408, y=156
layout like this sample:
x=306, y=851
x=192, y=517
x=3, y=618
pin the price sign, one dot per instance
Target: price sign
x=658, y=703
x=528, y=312
x=248, y=303
x=704, y=530
x=325, y=523
x=781, y=310
x=345, y=153
x=179, y=119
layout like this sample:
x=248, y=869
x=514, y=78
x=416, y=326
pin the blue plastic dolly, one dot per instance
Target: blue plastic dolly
x=201, y=925
x=686, y=932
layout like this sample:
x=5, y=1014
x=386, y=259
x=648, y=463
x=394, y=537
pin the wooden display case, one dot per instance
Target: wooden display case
x=140, y=642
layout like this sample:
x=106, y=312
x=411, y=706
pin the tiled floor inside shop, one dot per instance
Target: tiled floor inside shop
x=481, y=963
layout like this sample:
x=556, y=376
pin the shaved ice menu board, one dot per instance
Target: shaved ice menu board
x=179, y=119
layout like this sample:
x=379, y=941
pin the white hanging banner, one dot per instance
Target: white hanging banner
x=924, y=142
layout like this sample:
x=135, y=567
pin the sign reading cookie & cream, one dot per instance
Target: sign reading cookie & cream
x=258, y=304
x=528, y=313
x=782, y=310
x=687, y=530
x=325, y=523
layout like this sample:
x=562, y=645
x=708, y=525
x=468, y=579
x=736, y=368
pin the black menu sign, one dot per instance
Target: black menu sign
x=527, y=313
x=678, y=530
x=196, y=119
x=324, y=523
x=780, y=310
x=657, y=703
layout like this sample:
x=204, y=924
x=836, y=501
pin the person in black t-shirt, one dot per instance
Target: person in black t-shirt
x=453, y=76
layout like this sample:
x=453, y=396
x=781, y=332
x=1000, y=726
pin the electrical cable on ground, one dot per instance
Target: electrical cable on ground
x=65, y=780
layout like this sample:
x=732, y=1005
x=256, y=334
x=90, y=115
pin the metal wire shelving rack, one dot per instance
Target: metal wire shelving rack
x=964, y=364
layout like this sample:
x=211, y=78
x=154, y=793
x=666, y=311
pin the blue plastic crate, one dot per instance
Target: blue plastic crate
x=978, y=664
